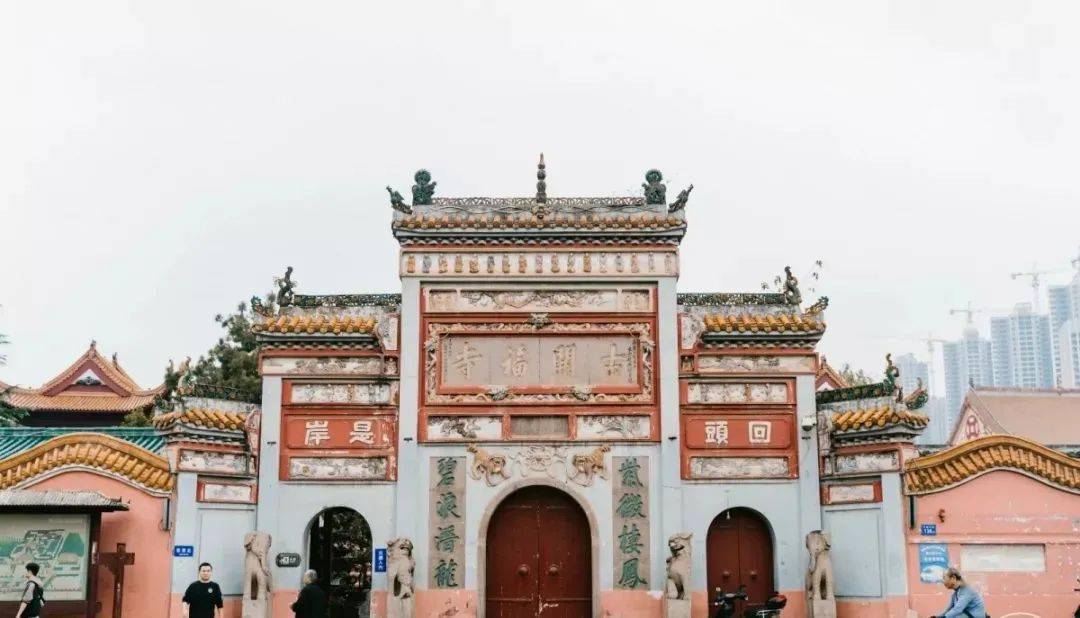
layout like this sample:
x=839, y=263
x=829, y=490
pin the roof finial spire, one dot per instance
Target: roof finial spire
x=93, y=344
x=541, y=186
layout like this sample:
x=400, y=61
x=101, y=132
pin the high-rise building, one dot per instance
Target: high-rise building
x=1021, y=349
x=911, y=371
x=1064, y=330
x=967, y=362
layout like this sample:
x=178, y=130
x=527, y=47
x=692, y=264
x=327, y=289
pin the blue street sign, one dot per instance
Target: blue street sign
x=928, y=529
x=380, y=560
x=183, y=551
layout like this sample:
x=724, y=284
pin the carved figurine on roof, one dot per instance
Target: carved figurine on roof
x=424, y=189
x=655, y=189
x=791, y=292
x=397, y=202
x=285, y=287
x=681, y=200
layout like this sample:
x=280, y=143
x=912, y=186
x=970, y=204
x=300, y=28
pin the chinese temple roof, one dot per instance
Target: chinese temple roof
x=539, y=219
x=202, y=417
x=90, y=384
x=63, y=500
x=969, y=460
x=360, y=320
x=771, y=320
x=871, y=413
x=15, y=440
x=95, y=452
x=1046, y=416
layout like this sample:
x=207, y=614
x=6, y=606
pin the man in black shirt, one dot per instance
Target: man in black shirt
x=311, y=603
x=203, y=598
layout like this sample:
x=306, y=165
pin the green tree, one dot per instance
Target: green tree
x=854, y=377
x=136, y=418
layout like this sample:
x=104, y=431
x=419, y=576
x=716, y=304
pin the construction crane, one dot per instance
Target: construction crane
x=1034, y=274
x=969, y=311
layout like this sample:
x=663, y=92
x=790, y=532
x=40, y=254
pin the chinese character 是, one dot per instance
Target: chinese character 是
x=629, y=472
x=316, y=432
x=466, y=359
x=446, y=538
x=361, y=432
x=630, y=505
x=516, y=363
x=564, y=359
x=447, y=467
x=447, y=505
x=630, y=540
x=630, y=577
x=716, y=432
x=445, y=574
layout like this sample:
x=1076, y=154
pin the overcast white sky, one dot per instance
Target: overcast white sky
x=161, y=161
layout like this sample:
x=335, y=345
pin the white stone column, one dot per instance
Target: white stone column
x=409, y=476
x=670, y=490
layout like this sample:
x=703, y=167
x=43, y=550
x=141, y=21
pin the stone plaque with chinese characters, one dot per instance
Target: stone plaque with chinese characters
x=630, y=522
x=735, y=431
x=338, y=432
x=446, y=523
x=370, y=393
x=522, y=361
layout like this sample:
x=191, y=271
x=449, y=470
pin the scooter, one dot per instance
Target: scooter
x=724, y=605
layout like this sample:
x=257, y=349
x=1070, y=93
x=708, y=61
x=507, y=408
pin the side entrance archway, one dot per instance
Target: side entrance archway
x=739, y=552
x=538, y=557
x=339, y=549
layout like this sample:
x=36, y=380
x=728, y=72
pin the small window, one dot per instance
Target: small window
x=1003, y=558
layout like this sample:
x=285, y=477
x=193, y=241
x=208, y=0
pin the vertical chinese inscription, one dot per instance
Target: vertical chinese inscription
x=630, y=518
x=446, y=524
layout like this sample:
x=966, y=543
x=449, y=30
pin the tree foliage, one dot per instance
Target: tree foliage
x=854, y=377
x=231, y=363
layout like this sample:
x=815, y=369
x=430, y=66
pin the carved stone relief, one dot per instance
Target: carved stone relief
x=329, y=365
x=335, y=392
x=338, y=468
x=756, y=364
x=215, y=461
x=560, y=463
x=517, y=358
x=738, y=467
x=509, y=264
x=691, y=327
x=867, y=462
x=737, y=392
x=844, y=494
x=442, y=300
x=228, y=492
x=464, y=428
x=613, y=427
x=257, y=579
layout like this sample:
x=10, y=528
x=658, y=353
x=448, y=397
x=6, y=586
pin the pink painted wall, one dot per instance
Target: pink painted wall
x=1003, y=507
x=146, y=584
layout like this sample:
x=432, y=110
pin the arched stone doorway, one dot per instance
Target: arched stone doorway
x=739, y=552
x=538, y=557
x=339, y=545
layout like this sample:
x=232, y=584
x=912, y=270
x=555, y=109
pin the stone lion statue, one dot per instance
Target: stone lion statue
x=819, y=575
x=257, y=587
x=678, y=566
x=399, y=576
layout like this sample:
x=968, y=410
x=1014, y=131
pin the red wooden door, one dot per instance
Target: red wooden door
x=739, y=552
x=538, y=557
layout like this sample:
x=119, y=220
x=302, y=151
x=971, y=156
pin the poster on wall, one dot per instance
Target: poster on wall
x=58, y=543
x=933, y=560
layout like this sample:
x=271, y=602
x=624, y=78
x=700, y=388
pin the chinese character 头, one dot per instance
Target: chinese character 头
x=316, y=432
x=361, y=432
x=716, y=432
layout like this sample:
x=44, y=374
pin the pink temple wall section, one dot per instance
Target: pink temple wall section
x=1003, y=507
x=146, y=583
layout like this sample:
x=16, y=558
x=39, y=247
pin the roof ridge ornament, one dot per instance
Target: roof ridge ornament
x=791, y=288
x=541, y=184
x=680, y=200
x=285, y=287
x=397, y=202
x=423, y=190
x=655, y=189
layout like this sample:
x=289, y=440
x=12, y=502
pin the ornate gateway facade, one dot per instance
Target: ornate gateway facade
x=539, y=411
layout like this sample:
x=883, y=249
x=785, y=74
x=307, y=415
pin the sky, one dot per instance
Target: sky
x=162, y=161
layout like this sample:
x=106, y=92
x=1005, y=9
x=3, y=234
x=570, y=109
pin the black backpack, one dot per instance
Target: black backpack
x=37, y=600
